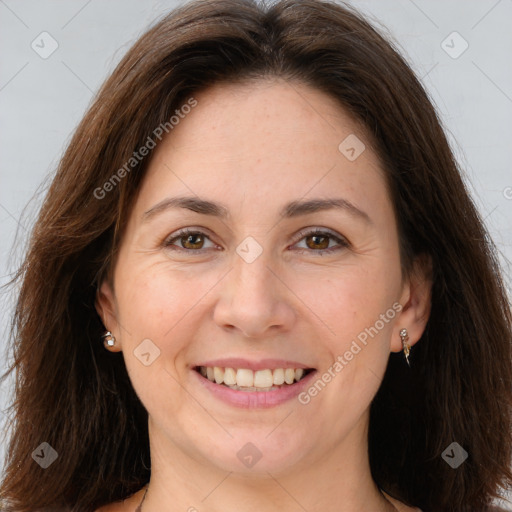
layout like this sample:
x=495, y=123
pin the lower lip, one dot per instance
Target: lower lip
x=255, y=399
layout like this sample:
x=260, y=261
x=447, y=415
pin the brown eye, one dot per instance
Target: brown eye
x=191, y=241
x=317, y=242
x=187, y=240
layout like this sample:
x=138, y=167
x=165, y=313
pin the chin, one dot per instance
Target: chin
x=253, y=452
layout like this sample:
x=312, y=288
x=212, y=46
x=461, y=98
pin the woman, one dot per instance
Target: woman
x=258, y=282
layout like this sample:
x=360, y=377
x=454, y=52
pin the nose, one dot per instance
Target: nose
x=254, y=300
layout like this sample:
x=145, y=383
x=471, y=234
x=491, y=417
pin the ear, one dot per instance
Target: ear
x=416, y=303
x=105, y=305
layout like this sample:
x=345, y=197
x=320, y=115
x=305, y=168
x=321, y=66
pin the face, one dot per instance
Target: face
x=259, y=283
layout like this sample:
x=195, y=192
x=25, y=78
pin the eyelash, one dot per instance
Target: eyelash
x=168, y=243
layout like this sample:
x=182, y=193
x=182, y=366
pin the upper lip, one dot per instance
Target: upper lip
x=261, y=364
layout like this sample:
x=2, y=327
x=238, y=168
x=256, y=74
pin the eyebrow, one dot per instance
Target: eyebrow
x=290, y=210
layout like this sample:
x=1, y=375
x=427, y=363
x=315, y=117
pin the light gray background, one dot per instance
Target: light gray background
x=42, y=100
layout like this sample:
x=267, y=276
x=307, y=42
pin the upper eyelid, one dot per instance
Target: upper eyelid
x=313, y=230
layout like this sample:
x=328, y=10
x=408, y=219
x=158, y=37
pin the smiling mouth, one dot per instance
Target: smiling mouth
x=243, y=379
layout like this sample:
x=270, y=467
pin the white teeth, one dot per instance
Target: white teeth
x=248, y=380
x=218, y=374
x=229, y=377
x=289, y=375
x=263, y=379
x=278, y=376
x=245, y=378
x=253, y=388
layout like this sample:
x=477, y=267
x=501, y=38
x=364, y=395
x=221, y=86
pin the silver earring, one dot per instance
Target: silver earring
x=404, y=337
x=108, y=339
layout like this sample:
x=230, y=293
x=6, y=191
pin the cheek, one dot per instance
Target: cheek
x=153, y=300
x=154, y=308
x=357, y=305
x=165, y=305
x=146, y=305
x=349, y=300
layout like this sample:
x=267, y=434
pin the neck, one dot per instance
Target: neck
x=339, y=479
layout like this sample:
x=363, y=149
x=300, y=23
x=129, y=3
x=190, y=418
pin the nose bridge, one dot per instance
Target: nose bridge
x=252, y=283
x=251, y=263
x=253, y=298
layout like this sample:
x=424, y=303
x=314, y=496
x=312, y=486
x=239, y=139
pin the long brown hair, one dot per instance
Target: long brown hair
x=77, y=397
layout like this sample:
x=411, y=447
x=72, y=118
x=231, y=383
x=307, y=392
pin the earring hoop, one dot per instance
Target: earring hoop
x=404, y=337
x=108, y=339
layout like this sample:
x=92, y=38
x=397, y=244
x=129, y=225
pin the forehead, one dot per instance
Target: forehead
x=281, y=114
x=264, y=140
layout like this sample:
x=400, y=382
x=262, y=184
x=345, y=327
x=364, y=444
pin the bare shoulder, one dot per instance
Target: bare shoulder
x=115, y=506
x=127, y=505
x=401, y=507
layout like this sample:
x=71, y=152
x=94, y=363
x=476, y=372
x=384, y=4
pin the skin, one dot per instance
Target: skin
x=255, y=147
